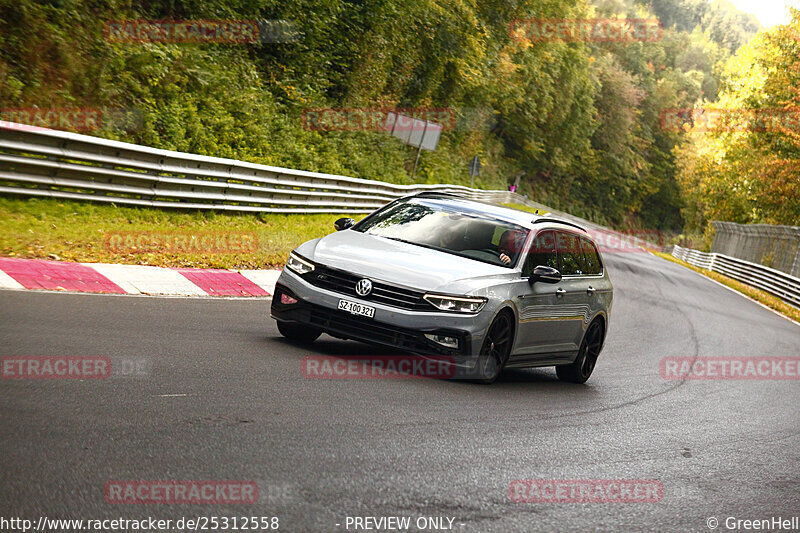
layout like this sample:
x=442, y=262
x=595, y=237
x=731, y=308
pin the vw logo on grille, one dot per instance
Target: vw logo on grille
x=363, y=287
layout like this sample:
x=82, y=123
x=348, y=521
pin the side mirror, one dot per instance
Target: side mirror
x=344, y=223
x=545, y=274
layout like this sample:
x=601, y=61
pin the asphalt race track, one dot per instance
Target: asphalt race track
x=221, y=396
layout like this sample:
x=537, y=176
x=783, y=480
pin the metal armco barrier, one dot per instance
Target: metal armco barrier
x=775, y=282
x=40, y=162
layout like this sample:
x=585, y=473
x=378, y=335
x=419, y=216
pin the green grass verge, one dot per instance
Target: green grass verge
x=758, y=295
x=83, y=231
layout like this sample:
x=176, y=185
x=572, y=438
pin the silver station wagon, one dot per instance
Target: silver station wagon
x=439, y=275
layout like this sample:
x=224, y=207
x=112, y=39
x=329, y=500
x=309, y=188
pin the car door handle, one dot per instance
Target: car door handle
x=590, y=290
x=560, y=292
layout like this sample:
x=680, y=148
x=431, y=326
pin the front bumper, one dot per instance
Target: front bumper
x=394, y=327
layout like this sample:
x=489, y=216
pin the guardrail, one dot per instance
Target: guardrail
x=775, y=282
x=41, y=162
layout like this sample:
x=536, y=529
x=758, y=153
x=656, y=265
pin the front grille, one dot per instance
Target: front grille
x=362, y=329
x=385, y=293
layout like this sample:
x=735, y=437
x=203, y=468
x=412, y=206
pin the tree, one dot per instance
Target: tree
x=747, y=168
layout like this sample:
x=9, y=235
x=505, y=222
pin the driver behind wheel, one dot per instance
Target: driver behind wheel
x=510, y=245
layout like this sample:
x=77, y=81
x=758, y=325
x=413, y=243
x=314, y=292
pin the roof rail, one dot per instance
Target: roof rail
x=438, y=193
x=559, y=221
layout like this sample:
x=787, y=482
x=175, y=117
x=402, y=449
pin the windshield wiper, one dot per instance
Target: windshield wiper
x=397, y=239
x=430, y=246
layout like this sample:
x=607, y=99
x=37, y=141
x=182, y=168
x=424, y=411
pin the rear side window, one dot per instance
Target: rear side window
x=570, y=254
x=542, y=253
x=593, y=265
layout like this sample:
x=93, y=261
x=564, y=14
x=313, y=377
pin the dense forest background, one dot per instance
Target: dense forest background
x=580, y=123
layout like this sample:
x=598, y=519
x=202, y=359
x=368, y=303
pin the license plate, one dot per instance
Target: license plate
x=355, y=308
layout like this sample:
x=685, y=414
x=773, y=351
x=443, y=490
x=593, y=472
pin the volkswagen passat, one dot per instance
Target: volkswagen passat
x=436, y=274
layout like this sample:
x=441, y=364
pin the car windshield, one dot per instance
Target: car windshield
x=449, y=229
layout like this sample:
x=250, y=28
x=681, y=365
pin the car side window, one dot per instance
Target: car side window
x=542, y=252
x=570, y=254
x=593, y=265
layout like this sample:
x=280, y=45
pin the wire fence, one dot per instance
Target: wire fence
x=777, y=247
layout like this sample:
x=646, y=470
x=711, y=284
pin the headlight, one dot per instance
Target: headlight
x=458, y=304
x=299, y=264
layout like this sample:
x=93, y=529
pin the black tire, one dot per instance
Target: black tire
x=299, y=332
x=583, y=366
x=496, y=349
